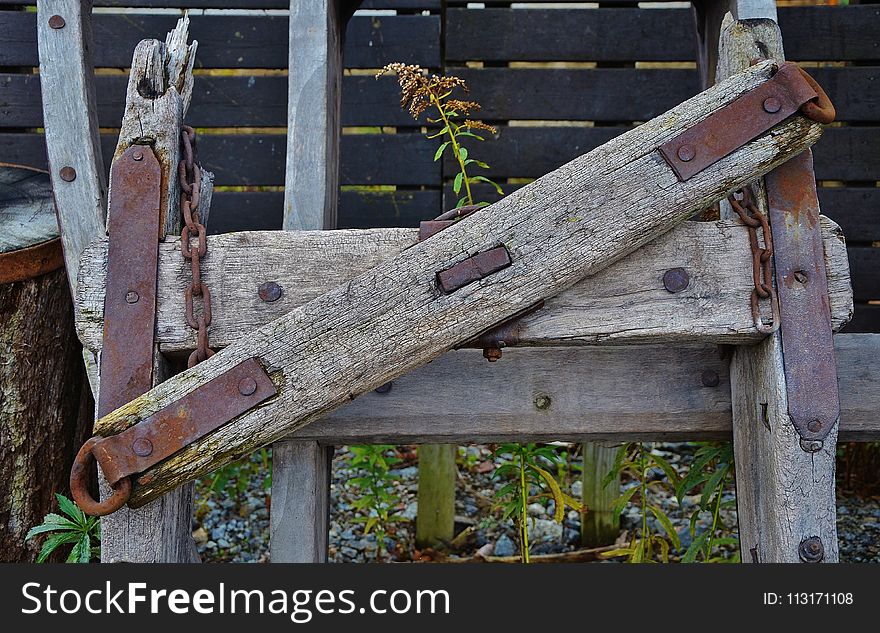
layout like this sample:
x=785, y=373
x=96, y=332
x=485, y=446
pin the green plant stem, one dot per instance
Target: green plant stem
x=715, y=518
x=455, y=148
x=643, y=463
x=524, y=517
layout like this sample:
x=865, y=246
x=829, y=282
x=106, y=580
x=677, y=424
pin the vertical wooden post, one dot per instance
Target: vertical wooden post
x=599, y=526
x=784, y=494
x=299, y=521
x=435, y=522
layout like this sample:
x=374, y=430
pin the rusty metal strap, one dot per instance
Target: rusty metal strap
x=741, y=121
x=31, y=262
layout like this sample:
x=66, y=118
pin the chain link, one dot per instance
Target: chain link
x=190, y=174
x=762, y=275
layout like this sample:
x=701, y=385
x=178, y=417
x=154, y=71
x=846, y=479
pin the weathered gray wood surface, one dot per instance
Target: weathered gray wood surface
x=561, y=228
x=784, y=494
x=611, y=393
x=70, y=120
x=626, y=302
x=158, y=94
x=300, y=470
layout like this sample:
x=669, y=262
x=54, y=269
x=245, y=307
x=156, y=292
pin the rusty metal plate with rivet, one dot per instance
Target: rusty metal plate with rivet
x=473, y=268
x=184, y=421
x=739, y=122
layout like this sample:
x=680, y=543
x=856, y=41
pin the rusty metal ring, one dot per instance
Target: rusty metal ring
x=819, y=109
x=79, y=487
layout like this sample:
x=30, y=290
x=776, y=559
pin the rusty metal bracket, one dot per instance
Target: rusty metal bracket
x=739, y=122
x=473, y=268
x=807, y=346
x=132, y=265
x=505, y=334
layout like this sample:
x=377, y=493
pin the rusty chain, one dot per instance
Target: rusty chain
x=762, y=274
x=189, y=174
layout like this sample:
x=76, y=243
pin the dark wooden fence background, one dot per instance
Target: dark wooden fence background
x=556, y=82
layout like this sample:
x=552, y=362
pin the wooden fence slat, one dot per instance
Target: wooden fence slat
x=865, y=266
x=238, y=41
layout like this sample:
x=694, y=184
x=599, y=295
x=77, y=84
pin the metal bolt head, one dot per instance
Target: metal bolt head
x=492, y=354
x=811, y=550
x=710, y=378
x=269, y=291
x=811, y=446
x=814, y=426
x=142, y=447
x=543, y=402
x=686, y=153
x=676, y=279
x=138, y=155
x=800, y=276
x=247, y=386
x=383, y=389
x=132, y=297
x=68, y=174
x=57, y=22
x=772, y=105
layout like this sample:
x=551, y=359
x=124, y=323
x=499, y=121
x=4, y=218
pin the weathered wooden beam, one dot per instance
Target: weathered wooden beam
x=626, y=302
x=610, y=393
x=70, y=118
x=300, y=518
x=563, y=227
x=785, y=494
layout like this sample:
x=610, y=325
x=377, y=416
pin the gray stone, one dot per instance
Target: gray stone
x=504, y=546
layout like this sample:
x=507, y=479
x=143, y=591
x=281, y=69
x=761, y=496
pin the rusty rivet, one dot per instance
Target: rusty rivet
x=68, y=174
x=686, y=153
x=543, y=402
x=142, y=447
x=676, y=279
x=811, y=550
x=138, y=155
x=269, y=291
x=772, y=105
x=132, y=297
x=710, y=378
x=383, y=389
x=247, y=386
x=800, y=276
x=56, y=22
x=492, y=354
x=811, y=446
x=815, y=426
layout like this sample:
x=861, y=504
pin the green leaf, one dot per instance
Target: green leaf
x=621, y=502
x=666, y=467
x=664, y=548
x=55, y=541
x=440, y=133
x=456, y=185
x=371, y=523
x=712, y=486
x=696, y=545
x=462, y=153
x=69, y=508
x=440, y=150
x=555, y=491
x=616, y=467
x=470, y=134
x=489, y=182
x=615, y=553
x=666, y=524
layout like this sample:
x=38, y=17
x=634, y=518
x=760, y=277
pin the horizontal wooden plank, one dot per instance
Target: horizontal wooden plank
x=843, y=153
x=236, y=41
x=258, y=159
x=864, y=263
x=626, y=302
x=855, y=209
x=645, y=393
x=242, y=101
x=631, y=34
x=262, y=210
x=866, y=318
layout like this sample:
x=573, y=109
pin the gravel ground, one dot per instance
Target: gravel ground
x=232, y=523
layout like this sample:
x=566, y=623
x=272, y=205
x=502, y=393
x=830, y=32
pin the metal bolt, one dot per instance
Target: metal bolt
x=68, y=174
x=142, y=447
x=543, y=402
x=269, y=291
x=772, y=105
x=686, y=153
x=247, y=386
x=811, y=446
x=710, y=378
x=676, y=280
x=492, y=354
x=815, y=426
x=138, y=155
x=383, y=389
x=132, y=297
x=56, y=22
x=800, y=276
x=811, y=550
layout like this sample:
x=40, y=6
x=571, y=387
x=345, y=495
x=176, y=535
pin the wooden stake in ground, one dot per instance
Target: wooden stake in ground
x=398, y=316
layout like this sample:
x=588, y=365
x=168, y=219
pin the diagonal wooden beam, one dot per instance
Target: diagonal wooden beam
x=565, y=226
